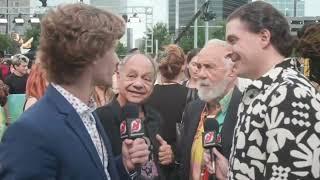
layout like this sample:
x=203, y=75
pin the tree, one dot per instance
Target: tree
x=186, y=42
x=220, y=32
x=34, y=32
x=160, y=33
x=6, y=44
x=121, y=50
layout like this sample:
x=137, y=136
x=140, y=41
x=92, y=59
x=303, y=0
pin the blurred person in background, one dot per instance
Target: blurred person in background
x=169, y=97
x=191, y=72
x=2, y=66
x=103, y=95
x=4, y=92
x=17, y=80
x=36, y=85
x=308, y=47
x=192, y=69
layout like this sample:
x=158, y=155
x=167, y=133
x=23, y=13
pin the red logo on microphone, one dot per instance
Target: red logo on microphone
x=135, y=126
x=218, y=140
x=209, y=137
x=123, y=128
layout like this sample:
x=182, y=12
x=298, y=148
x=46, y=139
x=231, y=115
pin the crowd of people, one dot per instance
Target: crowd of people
x=77, y=91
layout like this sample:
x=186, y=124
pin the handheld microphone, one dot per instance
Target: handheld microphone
x=132, y=126
x=210, y=138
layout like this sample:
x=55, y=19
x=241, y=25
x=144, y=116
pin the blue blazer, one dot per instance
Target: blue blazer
x=49, y=141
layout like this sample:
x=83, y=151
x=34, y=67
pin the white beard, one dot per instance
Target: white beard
x=212, y=92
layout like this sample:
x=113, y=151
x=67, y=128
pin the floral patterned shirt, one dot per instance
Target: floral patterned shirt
x=277, y=135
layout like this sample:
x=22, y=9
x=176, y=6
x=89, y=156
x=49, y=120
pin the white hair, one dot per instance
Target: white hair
x=217, y=42
x=124, y=61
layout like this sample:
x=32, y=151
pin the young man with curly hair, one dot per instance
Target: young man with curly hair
x=60, y=137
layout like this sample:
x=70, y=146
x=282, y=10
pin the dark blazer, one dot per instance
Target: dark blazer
x=49, y=141
x=191, y=120
x=111, y=117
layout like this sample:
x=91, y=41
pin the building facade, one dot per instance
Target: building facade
x=117, y=6
x=289, y=8
x=222, y=9
x=296, y=23
x=11, y=9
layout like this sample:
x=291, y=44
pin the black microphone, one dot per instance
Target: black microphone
x=210, y=138
x=132, y=126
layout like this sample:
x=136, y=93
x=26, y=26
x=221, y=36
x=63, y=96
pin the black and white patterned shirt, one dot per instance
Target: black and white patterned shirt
x=277, y=135
x=85, y=113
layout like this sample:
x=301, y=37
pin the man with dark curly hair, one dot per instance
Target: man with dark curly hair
x=60, y=137
x=277, y=135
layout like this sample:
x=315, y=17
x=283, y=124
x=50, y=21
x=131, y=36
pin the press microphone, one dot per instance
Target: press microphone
x=210, y=137
x=131, y=127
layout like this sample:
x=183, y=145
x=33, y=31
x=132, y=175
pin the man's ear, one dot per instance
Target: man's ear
x=265, y=38
x=117, y=74
x=232, y=73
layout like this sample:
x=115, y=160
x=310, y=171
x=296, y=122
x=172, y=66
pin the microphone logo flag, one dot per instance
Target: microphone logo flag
x=209, y=137
x=135, y=126
x=123, y=128
x=218, y=141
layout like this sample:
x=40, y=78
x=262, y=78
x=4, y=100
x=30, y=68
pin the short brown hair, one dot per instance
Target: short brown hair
x=171, y=61
x=73, y=36
x=260, y=15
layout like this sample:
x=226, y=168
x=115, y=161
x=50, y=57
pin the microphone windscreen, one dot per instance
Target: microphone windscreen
x=211, y=124
x=131, y=110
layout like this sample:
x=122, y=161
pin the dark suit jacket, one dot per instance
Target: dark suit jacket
x=49, y=141
x=111, y=117
x=191, y=120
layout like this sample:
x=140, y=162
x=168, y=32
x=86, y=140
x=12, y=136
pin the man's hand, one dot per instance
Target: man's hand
x=165, y=151
x=134, y=153
x=219, y=167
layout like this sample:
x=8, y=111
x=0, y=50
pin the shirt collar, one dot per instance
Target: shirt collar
x=273, y=74
x=224, y=103
x=80, y=107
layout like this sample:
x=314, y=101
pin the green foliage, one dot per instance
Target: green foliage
x=186, y=42
x=219, y=32
x=161, y=33
x=6, y=44
x=34, y=32
x=121, y=50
